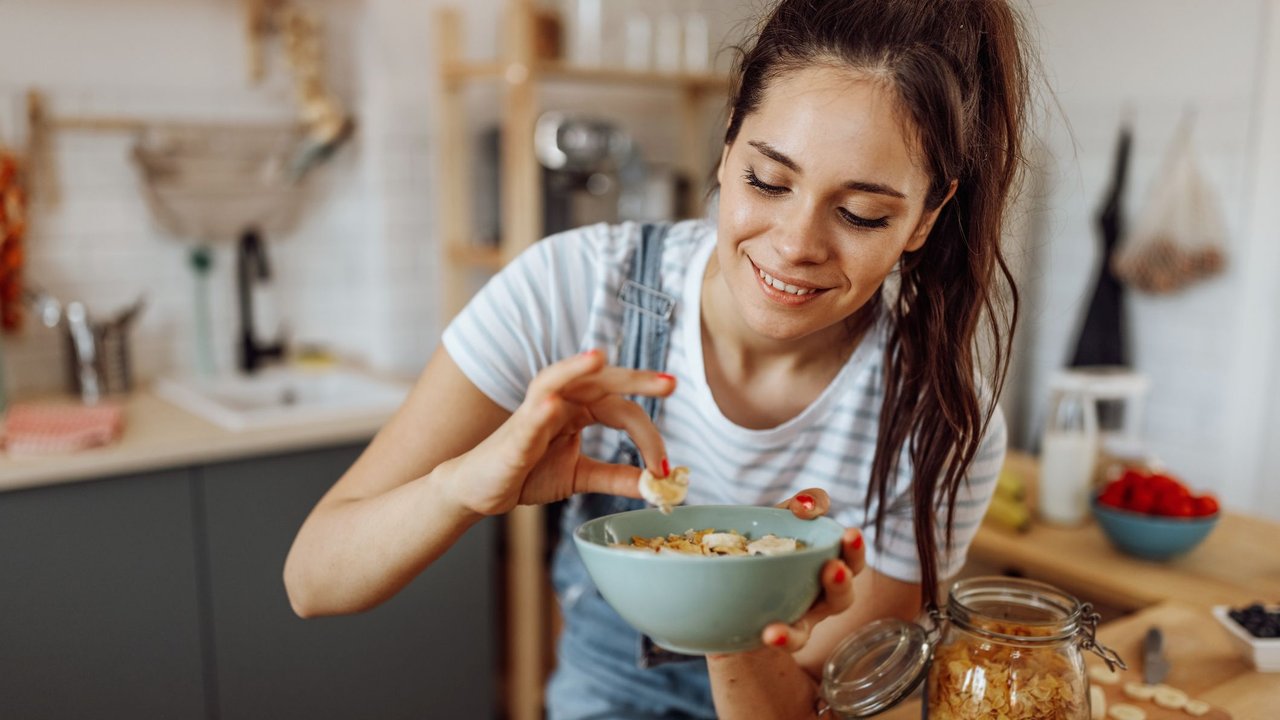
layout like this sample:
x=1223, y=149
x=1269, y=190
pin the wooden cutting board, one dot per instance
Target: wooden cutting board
x=1201, y=657
x=1115, y=694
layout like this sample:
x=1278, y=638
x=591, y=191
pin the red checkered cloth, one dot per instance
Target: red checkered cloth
x=54, y=428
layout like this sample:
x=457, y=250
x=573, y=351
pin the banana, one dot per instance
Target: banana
x=1103, y=674
x=665, y=492
x=1097, y=703
x=1010, y=485
x=1170, y=697
x=1139, y=691
x=1123, y=711
x=1009, y=513
x=1196, y=708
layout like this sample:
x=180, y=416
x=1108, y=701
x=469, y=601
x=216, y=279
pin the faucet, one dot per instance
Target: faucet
x=251, y=264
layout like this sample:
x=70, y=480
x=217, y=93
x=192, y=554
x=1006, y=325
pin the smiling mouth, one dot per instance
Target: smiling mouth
x=774, y=283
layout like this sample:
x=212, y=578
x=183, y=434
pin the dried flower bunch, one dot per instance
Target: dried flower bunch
x=978, y=679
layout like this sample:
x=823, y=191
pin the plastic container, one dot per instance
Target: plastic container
x=1001, y=643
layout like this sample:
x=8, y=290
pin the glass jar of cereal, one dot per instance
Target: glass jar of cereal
x=1002, y=648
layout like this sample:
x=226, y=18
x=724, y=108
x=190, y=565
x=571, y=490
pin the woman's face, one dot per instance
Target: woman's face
x=820, y=194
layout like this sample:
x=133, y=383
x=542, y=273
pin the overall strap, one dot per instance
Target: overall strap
x=646, y=317
x=646, y=333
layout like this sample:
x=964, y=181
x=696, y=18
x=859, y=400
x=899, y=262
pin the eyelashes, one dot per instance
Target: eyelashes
x=852, y=219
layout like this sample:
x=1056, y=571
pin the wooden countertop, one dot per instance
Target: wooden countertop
x=1237, y=563
x=158, y=435
x=1202, y=661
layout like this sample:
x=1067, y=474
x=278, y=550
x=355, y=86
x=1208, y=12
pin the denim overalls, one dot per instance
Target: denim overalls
x=605, y=669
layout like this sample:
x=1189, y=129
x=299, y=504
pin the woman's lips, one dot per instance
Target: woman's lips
x=789, y=294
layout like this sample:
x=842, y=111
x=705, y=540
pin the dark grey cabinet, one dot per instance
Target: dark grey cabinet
x=99, y=602
x=426, y=653
x=161, y=596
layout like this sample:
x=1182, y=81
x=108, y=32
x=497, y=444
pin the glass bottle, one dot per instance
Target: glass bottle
x=1068, y=450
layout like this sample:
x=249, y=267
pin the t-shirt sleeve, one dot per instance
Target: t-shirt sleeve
x=531, y=314
x=897, y=555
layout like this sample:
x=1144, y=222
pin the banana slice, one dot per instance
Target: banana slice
x=665, y=492
x=724, y=542
x=1124, y=711
x=1103, y=674
x=1139, y=691
x=771, y=545
x=1170, y=697
x=1097, y=703
x=1196, y=708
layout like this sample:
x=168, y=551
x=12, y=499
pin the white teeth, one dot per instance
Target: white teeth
x=776, y=283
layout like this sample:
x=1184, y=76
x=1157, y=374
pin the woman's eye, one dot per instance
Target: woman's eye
x=865, y=223
x=754, y=181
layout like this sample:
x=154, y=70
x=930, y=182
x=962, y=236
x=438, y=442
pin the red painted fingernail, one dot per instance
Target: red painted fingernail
x=666, y=468
x=588, y=353
x=781, y=640
x=857, y=542
x=838, y=577
x=667, y=376
x=805, y=501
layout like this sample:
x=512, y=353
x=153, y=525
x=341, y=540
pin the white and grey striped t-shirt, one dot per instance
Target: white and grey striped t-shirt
x=560, y=297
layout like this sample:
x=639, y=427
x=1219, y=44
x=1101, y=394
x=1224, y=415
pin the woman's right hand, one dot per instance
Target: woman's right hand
x=534, y=457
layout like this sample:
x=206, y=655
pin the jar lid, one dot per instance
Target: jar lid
x=875, y=668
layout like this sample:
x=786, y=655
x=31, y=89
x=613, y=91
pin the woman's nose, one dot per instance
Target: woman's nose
x=802, y=240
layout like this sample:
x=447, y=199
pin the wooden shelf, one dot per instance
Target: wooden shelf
x=476, y=256
x=518, y=75
x=553, y=72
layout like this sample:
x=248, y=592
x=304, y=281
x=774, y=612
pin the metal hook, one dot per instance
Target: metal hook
x=1089, y=623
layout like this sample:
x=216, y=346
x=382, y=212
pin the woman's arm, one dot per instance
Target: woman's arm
x=781, y=680
x=451, y=456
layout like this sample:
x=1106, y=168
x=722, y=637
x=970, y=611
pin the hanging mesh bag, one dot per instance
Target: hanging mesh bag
x=1180, y=236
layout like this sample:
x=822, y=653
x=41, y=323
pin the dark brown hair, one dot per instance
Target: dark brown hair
x=958, y=70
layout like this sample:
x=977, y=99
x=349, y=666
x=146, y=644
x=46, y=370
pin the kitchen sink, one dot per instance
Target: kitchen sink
x=281, y=397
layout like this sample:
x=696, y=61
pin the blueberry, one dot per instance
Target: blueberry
x=1257, y=620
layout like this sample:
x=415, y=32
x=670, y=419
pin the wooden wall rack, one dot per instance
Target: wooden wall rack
x=520, y=73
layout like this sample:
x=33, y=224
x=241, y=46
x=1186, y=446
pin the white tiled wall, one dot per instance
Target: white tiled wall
x=360, y=271
x=367, y=210
x=1153, y=60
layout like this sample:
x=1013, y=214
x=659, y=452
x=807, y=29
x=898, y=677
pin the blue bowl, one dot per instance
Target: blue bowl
x=1150, y=536
x=699, y=605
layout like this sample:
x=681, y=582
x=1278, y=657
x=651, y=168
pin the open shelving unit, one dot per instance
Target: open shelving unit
x=520, y=73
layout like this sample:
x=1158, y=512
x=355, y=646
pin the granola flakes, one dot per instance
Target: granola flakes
x=713, y=543
x=974, y=678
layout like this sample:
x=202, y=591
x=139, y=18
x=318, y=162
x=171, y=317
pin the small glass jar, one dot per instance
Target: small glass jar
x=1003, y=647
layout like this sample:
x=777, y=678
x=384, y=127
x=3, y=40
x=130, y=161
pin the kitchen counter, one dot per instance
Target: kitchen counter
x=160, y=435
x=1202, y=661
x=1236, y=564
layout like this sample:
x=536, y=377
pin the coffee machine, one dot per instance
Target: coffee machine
x=592, y=171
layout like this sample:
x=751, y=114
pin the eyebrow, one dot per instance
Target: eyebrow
x=858, y=185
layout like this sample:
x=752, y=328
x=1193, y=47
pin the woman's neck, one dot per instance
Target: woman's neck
x=784, y=376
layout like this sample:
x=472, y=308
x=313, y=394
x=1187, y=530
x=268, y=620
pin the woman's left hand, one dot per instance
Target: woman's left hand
x=837, y=575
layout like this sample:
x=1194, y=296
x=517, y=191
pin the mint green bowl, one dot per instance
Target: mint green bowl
x=698, y=605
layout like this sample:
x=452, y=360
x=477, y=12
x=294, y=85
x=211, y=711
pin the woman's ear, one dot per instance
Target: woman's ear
x=724, y=160
x=926, y=223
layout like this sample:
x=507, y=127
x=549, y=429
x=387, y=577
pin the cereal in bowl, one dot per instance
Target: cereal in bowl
x=714, y=543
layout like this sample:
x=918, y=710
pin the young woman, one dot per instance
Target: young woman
x=823, y=331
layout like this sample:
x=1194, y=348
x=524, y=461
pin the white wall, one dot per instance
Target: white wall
x=154, y=59
x=1154, y=59
x=360, y=272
